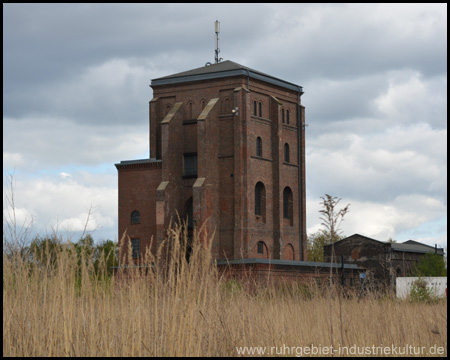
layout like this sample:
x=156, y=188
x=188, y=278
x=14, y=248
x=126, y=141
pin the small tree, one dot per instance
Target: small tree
x=43, y=251
x=430, y=265
x=316, y=242
x=332, y=219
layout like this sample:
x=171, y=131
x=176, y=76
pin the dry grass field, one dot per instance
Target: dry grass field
x=183, y=309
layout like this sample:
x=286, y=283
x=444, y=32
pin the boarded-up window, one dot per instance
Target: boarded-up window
x=286, y=153
x=288, y=204
x=136, y=248
x=258, y=146
x=260, y=199
x=190, y=164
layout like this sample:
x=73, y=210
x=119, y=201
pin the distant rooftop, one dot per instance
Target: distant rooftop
x=222, y=69
x=414, y=246
x=407, y=246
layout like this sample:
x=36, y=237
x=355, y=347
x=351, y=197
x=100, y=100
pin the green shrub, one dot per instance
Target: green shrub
x=231, y=287
x=420, y=292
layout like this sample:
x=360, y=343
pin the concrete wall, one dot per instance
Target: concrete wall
x=437, y=285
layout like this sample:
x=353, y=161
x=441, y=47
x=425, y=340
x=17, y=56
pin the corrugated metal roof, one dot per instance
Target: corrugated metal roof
x=415, y=247
x=223, y=69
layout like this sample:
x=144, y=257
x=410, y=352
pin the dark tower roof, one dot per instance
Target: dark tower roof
x=223, y=69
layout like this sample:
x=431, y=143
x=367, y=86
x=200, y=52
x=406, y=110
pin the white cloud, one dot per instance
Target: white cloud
x=395, y=180
x=112, y=92
x=411, y=99
x=341, y=41
x=382, y=221
x=416, y=20
x=21, y=216
x=65, y=175
x=375, y=79
x=385, y=220
x=372, y=104
x=65, y=203
x=333, y=100
x=56, y=142
x=12, y=160
x=115, y=81
x=401, y=160
x=86, y=222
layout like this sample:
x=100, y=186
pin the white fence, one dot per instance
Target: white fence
x=438, y=285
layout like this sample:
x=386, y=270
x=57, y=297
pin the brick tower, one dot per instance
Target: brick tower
x=227, y=147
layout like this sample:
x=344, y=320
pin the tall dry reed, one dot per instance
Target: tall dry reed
x=177, y=308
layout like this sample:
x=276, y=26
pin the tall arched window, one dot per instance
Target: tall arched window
x=262, y=251
x=260, y=200
x=254, y=108
x=260, y=109
x=203, y=104
x=286, y=153
x=135, y=217
x=190, y=213
x=287, y=117
x=258, y=147
x=282, y=116
x=260, y=247
x=288, y=204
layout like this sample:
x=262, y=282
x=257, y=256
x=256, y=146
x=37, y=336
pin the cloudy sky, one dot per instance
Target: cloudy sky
x=76, y=90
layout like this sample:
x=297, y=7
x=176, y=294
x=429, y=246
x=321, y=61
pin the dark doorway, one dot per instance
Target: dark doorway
x=189, y=211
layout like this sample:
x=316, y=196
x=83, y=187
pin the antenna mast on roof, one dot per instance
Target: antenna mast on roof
x=217, y=28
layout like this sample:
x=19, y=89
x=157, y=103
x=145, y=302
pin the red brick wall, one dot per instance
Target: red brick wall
x=308, y=275
x=226, y=147
x=137, y=191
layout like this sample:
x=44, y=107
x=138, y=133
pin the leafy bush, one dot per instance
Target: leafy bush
x=430, y=265
x=421, y=293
